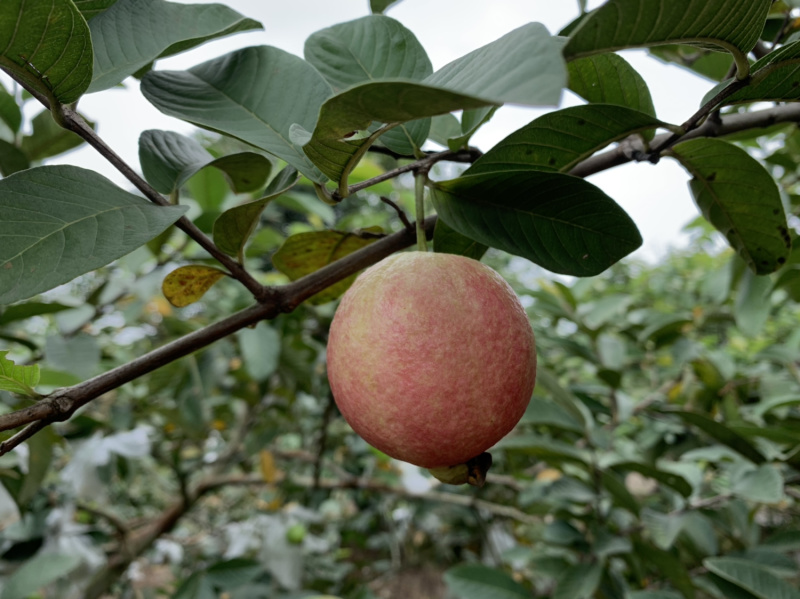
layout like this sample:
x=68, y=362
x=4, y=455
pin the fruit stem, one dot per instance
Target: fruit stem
x=420, y=178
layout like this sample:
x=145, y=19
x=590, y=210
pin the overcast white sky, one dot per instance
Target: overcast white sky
x=656, y=197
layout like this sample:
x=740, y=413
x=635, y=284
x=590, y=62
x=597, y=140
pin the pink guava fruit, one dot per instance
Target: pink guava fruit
x=431, y=358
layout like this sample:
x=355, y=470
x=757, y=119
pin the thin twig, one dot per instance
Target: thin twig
x=400, y=212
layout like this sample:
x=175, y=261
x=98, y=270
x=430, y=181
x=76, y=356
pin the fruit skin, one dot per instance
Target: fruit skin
x=431, y=358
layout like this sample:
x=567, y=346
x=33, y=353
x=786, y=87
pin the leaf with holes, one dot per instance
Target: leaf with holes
x=732, y=25
x=740, y=198
x=250, y=94
x=131, y=34
x=305, y=253
x=47, y=45
x=235, y=226
x=58, y=222
x=370, y=49
x=522, y=67
x=188, y=284
x=18, y=379
x=562, y=223
x=610, y=79
x=169, y=160
x=559, y=140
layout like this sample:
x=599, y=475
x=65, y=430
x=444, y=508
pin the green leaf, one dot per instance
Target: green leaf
x=169, y=160
x=36, y=573
x=752, y=306
x=709, y=64
x=652, y=595
x=547, y=380
x=721, y=433
x=229, y=574
x=23, y=311
x=545, y=412
x=261, y=350
x=732, y=25
x=40, y=455
x=10, y=112
x=250, y=94
x=305, y=253
x=740, y=198
x=754, y=579
x=447, y=240
x=234, y=226
x=562, y=223
x=443, y=128
x=12, y=159
x=48, y=138
x=381, y=6
x=672, y=480
x=370, y=49
x=610, y=79
x=76, y=354
x=472, y=581
x=666, y=564
x=92, y=8
x=619, y=492
x=131, y=34
x=18, y=379
x=579, y=581
x=559, y=140
x=775, y=78
x=542, y=447
x=522, y=67
x=197, y=586
x=762, y=485
x=471, y=121
x=74, y=221
x=47, y=45
x=662, y=528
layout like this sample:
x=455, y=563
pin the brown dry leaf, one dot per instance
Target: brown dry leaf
x=269, y=471
x=187, y=284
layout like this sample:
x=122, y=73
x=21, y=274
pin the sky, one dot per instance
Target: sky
x=656, y=196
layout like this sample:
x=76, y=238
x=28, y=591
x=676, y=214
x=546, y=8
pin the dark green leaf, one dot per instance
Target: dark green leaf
x=40, y=454
x=380, y=6
x=47, y=45
x=48, y=139
x=543, y=447
x=739, y=197
x=38, y=572
x=775, y=78
x=169, y=159
x=619, y=492
x=721, y=433
x=305, y=253
x=560, y=222
x=197, y=586
x=471, y=121
x=548, y=381
x=250, y=94
x=472, y=581
x=261, y=350
x=522, y=67
x=559, y=140
x=732, y=25
x=233, y=227
x=754, y=579
x=74, y=221
x=23, y=311
x=579, y=581
x=762, y=485
x=121, y=48
x=666, y=564
x=10, y=113
x=92, y=8
x=18, y=379
x=545, y=412
x=449, y=241
x=609, y=79
x=12, y=159
x=232, y=573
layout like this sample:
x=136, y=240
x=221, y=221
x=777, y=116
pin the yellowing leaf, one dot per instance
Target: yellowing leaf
x=305, y=253
x=269, y=471
x=187, y=284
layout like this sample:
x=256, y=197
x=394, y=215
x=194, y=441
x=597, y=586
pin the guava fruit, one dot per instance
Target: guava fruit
x=431, y=358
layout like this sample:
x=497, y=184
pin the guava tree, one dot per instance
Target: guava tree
x=301, y=188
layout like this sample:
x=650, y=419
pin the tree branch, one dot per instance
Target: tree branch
x=63, y=403
x=733, y=123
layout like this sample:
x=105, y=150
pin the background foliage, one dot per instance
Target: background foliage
x=659, y=456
